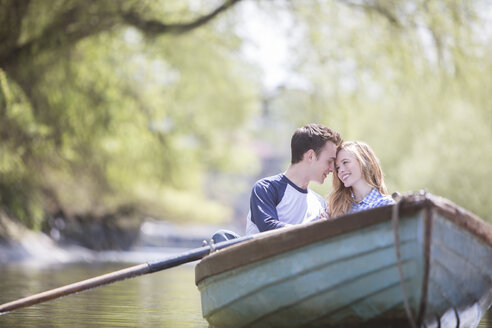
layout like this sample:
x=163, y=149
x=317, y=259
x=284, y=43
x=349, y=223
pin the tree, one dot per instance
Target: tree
x=83, y=81
x=409, y=78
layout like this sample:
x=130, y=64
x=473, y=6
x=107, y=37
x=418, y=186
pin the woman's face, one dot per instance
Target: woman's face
x=348, y=169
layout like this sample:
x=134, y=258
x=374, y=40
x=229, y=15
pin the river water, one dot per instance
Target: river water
x=164, y=299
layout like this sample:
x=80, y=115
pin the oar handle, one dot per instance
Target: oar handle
x=193, y=255
x=115, y=276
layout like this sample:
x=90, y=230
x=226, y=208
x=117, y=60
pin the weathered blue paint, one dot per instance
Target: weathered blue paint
x=353, y=279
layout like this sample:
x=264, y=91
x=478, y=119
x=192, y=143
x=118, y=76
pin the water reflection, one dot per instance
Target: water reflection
x=164, y=299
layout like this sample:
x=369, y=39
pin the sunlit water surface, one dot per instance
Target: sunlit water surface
x=163, y=299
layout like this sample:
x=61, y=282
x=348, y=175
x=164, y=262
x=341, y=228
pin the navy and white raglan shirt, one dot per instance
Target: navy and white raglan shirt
x=276, y=202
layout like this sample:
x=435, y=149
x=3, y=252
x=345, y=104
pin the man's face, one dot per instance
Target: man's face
x=324, y=163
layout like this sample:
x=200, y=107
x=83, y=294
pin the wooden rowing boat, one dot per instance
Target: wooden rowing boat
x=423, y=262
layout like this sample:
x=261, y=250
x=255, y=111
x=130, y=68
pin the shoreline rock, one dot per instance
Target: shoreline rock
x=21, y=246
x=68, y=241
x=37, y=249
x=105, y=233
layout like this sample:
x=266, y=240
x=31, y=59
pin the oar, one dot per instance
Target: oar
x=123, y=274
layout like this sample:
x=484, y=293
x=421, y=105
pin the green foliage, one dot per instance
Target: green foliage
x=148, y=103
x=18, y=184
x=108, y=114
x=409, y=78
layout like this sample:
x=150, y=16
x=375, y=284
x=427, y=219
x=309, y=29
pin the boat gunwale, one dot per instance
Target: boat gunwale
x=272, y=243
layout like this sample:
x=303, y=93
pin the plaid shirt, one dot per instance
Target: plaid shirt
x=372, y=200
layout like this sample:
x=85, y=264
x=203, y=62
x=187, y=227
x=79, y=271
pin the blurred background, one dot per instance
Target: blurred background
x=115, y=113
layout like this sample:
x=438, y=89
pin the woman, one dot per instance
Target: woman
x=359, y=183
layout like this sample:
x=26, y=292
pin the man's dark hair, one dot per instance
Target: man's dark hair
x=312, y=136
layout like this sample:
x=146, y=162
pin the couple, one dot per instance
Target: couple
x=285, y=199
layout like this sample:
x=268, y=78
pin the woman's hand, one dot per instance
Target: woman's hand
x=323, y=214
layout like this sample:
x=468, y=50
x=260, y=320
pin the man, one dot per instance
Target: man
x=285, y=199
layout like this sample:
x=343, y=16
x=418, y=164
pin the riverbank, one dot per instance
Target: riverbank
x=71, y=242
x=19, y=245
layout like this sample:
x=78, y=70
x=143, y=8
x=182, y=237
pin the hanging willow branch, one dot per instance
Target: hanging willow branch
x=155, y=27
x=82, y=20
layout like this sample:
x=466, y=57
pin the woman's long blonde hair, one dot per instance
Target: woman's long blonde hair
x=340, y=200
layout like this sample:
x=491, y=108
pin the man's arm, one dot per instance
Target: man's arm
x=263, y=207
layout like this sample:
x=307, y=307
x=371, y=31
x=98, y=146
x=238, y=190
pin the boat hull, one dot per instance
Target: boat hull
x=353, y=276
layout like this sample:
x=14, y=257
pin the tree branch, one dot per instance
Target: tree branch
x=374, y=6
x=66, y=29
x=154, y=27
x=80, y=22
x=11, y=14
